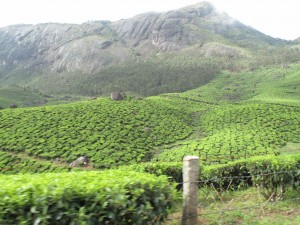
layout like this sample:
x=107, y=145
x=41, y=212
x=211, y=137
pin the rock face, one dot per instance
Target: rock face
x=168, y=31
x=61, y=50
x=81, y=161
x=13, y=106
x=116, y=96
x=60, y=47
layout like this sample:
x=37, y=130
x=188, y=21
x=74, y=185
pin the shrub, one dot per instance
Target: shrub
x=106, y=197
x=271, y=174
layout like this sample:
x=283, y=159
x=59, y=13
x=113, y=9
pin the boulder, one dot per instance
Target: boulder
x=116, y=96
x=13, y=105
x=81, y=161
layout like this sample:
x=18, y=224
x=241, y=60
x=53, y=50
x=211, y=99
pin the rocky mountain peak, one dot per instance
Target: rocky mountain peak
x=90, y=47
x=200, y=9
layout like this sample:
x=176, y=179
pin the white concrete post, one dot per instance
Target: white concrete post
x=190, y=190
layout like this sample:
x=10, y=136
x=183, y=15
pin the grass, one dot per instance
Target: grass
x=270, y=84
x=242, y=207
x=290, y=148
x=23, y=97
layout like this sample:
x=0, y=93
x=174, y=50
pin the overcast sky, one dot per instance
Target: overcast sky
x=277, y=18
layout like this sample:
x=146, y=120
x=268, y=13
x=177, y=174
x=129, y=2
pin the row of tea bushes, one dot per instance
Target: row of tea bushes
x=106, y=197
x=14, y=164
x=272, y=174
x=110, y=133
x=240, y=131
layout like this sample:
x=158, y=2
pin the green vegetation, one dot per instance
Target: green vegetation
x=107, y=197
x=167, y=127
x=108, y=132
x=273, y=175
x=244, y=126
x=268, y=84
x=240, y=131
x=23, y=97
x=152, y=75
x=15, y=164
x=242, y=207
x=239, y=115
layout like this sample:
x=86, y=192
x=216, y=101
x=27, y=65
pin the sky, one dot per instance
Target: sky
x=277, y=18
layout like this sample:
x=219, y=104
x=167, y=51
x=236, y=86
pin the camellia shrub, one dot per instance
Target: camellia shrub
x=109, y=133
x=14, y=164
x=272, y=174
x=103, y=197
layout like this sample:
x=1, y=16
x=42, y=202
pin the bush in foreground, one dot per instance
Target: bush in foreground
x=106, y=197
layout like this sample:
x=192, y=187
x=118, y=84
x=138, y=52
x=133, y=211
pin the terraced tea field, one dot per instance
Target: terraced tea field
x=15, y=164
x=236, y=115
x=109, y=133
x=240, y=131
x=271, y=85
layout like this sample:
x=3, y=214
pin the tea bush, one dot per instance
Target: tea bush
x=14, y=164
x=240, y=131
x=273, y=174
x=110, y=133
x=106, y=197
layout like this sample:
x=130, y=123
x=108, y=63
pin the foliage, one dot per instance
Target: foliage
x=173, y=170
x=15, y=164
x=272, y=174
x=272, y=84
x=145, y=76
x=107, y=197
x=26, y=97
x=108, y=132
x=239, y=131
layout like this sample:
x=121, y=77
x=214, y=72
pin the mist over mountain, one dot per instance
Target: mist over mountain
x=102, y=56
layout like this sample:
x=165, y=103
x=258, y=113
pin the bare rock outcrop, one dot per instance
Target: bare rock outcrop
x=81, y=161
x=117, y=96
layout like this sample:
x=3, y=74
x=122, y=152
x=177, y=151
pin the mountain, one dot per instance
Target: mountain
x=178, y=29
x=98, y=57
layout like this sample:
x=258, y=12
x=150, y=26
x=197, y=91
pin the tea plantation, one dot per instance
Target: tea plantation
x=243, y=122
x=97, y=197
x=240, y=131
x=109, y=133
x=239, y=115
x=215, y=125
x=15, y=164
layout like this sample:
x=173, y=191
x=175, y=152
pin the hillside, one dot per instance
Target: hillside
x=196, y=82
x=109, y=133
x=236, y=115
x=148, y=54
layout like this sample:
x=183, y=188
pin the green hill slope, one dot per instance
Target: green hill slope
x=11, y=163
x=27, y=98
x=109, y=133
x=251, y=113
x=232, y=132
x=236, y=115
x=272, y=84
